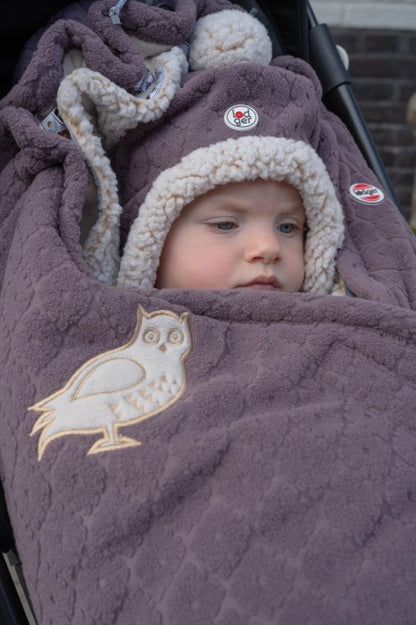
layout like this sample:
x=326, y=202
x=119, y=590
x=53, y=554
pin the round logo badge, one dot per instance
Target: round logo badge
x=241, y=117
x=366, y=193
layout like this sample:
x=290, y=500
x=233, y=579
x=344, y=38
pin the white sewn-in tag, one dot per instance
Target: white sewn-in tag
x=54, y=123
x=150, y=85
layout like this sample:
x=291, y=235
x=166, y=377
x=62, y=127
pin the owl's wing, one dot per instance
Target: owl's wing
x=109, y=376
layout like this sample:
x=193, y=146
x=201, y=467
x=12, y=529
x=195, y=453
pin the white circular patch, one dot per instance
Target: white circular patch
x=241, y=117
x=366, y=193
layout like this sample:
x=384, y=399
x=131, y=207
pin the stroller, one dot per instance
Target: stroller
x=294, y=30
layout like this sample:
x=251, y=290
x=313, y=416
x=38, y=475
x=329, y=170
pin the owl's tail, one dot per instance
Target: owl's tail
x=43, y=421
x=49, y=422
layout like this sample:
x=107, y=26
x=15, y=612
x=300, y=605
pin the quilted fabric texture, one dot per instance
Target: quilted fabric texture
x=232, y=458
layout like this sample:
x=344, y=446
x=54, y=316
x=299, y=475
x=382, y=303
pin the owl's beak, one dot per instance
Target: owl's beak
x=162, y=348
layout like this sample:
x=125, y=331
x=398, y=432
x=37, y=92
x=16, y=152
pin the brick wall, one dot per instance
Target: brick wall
x=383, y=73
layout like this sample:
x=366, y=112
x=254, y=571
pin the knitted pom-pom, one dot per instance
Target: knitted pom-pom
x=229, y=37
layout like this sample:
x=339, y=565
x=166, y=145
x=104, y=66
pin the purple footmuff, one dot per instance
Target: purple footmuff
x=174, y=457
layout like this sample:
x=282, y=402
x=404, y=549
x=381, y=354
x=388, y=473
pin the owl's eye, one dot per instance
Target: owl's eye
x=176, y=337
x=151, y=336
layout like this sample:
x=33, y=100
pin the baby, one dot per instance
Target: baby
x=220, y=191
x=243, y=235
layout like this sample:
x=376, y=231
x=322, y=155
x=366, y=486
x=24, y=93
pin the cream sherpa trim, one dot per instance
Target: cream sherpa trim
x=116, y=109
x=234, y=160
x=229, y=37
x=97, y=113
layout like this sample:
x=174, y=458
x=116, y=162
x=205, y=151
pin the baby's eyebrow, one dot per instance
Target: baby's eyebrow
x=226, y=204
x=292, y=214
x=295, y=210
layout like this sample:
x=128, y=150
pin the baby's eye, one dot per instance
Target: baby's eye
x=224, y=226
x=287, y=228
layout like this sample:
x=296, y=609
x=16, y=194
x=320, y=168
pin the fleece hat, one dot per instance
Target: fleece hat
x=231, y=124
x=96, y=111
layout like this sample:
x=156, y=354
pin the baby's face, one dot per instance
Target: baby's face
x=242, y=235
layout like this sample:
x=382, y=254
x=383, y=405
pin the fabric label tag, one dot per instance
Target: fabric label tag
x=150, y=85
x=54, y=123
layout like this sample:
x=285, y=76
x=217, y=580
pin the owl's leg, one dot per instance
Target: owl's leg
x=112, y=440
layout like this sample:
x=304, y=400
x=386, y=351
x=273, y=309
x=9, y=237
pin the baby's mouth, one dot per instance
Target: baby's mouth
x=261, y=283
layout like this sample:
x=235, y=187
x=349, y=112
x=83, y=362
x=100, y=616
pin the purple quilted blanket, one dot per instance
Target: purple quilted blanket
x=203, y=458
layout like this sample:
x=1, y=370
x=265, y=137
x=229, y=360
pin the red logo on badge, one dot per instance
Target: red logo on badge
x=366, y=193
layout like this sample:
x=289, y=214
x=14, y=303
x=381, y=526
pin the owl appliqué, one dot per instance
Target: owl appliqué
x=121, y=386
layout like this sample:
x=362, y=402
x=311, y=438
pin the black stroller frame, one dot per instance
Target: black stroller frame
x=293, y=29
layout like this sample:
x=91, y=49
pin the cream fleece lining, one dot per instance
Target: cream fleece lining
x=97, y=113
x=234, y=160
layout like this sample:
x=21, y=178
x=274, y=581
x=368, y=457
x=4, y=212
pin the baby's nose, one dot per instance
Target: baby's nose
x=263, y=246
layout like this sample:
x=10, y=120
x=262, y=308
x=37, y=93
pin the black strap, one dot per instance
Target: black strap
x=6, y=532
